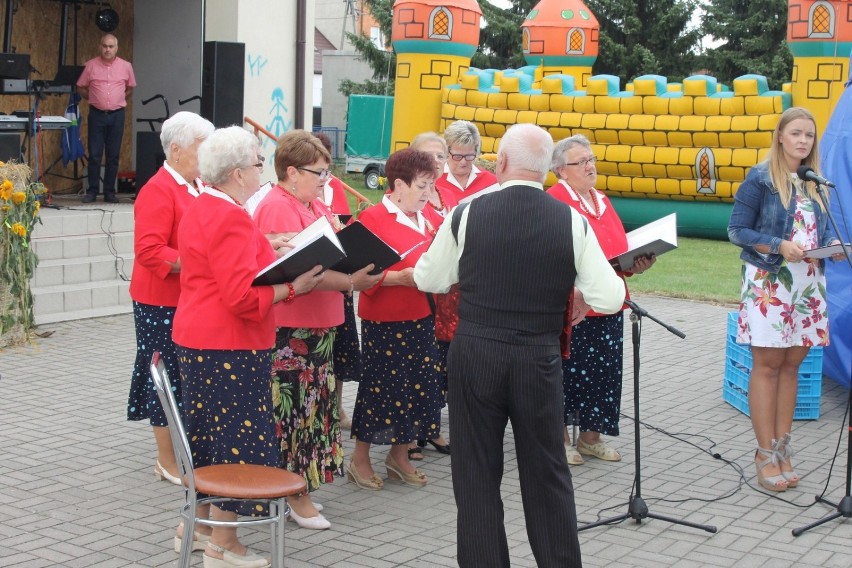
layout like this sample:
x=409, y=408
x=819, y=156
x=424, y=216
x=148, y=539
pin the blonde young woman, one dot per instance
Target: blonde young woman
x=783, y=311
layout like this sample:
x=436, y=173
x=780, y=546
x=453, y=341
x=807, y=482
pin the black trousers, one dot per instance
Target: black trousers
x=105, y=132
x=490, y=383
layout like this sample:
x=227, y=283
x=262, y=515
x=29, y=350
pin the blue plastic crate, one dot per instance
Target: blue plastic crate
x=738, y=368
x=735, y=393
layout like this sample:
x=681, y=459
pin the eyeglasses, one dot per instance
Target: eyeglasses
x=321, y=174
x=259, y=164
x=460, y=157
x=583, y=163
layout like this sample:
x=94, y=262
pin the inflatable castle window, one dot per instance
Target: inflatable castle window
x=440, y=24
x=821, y=20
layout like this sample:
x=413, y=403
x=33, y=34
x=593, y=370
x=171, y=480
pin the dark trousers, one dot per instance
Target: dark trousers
x=105, y=132
x=491, y=383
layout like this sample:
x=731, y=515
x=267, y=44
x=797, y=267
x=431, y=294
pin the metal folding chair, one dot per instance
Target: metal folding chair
x=224, y=482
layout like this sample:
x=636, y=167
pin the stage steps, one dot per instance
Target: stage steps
x=85, y=260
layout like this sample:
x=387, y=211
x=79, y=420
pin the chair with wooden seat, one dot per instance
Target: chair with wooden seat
x=221, y=483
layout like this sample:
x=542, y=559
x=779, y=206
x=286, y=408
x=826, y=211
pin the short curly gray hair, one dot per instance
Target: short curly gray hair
x=183, y=129
x=226, y=150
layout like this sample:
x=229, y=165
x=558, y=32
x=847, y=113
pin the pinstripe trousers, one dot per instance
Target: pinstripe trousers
x=490, y=383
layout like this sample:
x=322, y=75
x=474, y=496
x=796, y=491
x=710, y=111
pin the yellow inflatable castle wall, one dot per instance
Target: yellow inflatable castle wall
x=679, y=142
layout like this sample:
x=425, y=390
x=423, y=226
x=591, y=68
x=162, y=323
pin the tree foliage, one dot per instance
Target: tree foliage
x=646, y=37
x=636, y=38
x=753, y=36
x=381, y=61
x=500, y=39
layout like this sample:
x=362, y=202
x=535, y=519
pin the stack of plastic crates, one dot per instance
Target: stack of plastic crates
x=738, y=369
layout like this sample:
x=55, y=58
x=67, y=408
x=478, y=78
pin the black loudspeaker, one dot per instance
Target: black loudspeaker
x=10, y=147
x=149, y=157
x=222, y=80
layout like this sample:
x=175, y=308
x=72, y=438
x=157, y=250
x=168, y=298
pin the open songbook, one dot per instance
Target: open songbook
x=315, y=244
x=347, y=251
x=655, y=238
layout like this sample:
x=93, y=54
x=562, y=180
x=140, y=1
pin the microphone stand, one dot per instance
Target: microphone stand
x=637, y=508
x=844, y=507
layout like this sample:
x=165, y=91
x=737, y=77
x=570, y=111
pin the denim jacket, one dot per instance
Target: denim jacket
x=759, y=218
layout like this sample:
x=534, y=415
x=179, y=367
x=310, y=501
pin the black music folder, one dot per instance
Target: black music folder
x=314, y=245
x=363, y=247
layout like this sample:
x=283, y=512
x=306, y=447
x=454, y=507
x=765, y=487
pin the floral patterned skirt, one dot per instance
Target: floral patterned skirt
x=305, y=404
x=787, y=309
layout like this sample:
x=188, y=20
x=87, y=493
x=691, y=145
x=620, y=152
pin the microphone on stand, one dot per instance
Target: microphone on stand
x=808, y=174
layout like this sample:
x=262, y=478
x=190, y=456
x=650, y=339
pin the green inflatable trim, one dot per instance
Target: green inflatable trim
x=699, y=219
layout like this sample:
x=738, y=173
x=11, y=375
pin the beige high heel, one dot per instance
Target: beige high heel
x=232, y=560
x=785, y=454
x=162, y=474
x=417, y=479
x=372, y=483
x=774, y=482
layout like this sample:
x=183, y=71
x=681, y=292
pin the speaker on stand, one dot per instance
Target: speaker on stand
x=149, y=157
x=222, y=79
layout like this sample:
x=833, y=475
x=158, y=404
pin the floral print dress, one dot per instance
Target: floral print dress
x=786, y=309
x=304, y=403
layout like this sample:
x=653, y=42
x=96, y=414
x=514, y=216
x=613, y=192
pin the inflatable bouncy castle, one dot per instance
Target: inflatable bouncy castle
x=662, y=146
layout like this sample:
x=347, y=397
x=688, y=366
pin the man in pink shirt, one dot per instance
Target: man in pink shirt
x=106, y=82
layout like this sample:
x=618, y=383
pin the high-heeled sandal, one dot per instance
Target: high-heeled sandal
x=785, y=455
x=232, y=560
x=199, y=541
x=162, y=473
x=776, y=483
x=417, y=479
x=372, y=483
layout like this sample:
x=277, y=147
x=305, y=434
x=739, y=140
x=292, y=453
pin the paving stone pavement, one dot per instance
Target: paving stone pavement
x=77, y=487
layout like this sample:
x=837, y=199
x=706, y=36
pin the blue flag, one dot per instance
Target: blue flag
x=72, y=145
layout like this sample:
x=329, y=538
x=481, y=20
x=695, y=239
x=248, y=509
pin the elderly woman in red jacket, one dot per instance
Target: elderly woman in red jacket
x=399, y=395
x=224, y=328
x=155, y=285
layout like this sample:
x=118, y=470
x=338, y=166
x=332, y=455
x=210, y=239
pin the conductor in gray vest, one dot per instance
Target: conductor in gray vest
x=517, y=256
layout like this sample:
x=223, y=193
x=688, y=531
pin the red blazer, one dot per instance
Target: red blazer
x=339, y=203
x=281, y=212
x=396, y=303
x=221, y=252
x=608, y=229
x=483, y=180
x=158, y=211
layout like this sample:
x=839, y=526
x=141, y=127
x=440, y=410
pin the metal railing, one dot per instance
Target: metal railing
x=336, y=143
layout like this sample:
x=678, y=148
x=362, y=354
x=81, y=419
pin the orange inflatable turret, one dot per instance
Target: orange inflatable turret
x=561, y=36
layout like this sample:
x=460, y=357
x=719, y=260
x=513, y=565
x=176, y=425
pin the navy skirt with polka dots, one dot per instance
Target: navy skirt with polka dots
x=153, y=333
x=347, y=345
x=591, y=378
x=400, y=392
x=227, y=406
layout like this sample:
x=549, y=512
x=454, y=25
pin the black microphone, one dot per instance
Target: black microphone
x=808, y=173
